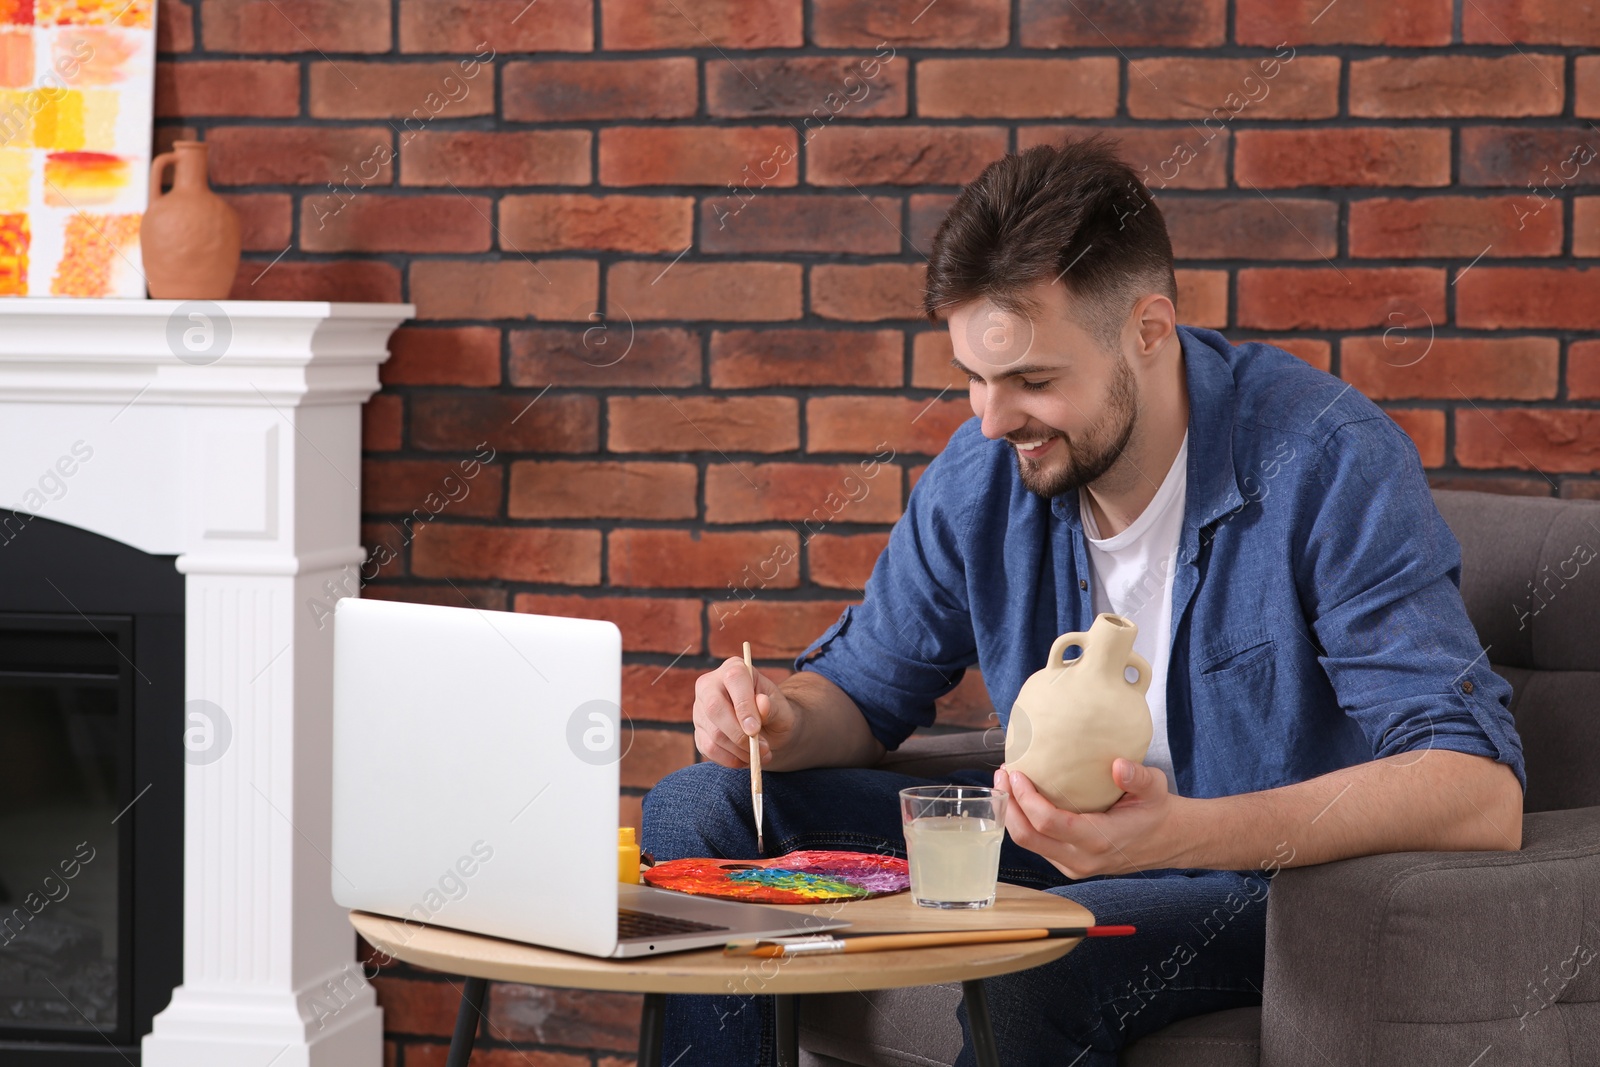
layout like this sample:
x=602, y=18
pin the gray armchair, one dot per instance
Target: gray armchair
x=1416, y=957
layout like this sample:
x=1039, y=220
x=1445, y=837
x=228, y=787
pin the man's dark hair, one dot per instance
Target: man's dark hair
x=1072, y=211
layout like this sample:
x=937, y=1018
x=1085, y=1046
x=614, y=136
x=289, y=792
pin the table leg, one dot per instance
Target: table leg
x=652, y=1021
x=786, y=1019
x=467, y=1022
x=983, y=1045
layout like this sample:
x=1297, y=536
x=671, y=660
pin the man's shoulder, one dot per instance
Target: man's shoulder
x=1319, y=434
x=1278, y=395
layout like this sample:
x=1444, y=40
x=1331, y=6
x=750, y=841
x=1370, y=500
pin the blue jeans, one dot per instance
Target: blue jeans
x=1200, y=945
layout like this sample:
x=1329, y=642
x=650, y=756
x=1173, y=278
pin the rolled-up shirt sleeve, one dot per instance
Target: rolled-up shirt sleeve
x=910, y=639
x=1379, y=577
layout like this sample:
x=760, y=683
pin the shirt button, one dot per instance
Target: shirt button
x=1083, y=583
x=1466, y=687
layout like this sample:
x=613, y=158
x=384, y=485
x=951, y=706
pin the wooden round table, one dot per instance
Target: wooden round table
x=481, y=959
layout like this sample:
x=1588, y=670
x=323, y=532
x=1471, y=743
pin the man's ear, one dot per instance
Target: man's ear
x=1154, y=320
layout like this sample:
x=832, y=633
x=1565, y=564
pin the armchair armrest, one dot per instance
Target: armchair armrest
x=934, y=755
x=1429, y=957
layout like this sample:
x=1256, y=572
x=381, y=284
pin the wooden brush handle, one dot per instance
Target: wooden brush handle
x=889, y=942
x=755, y=738
x=886, y=942
x=863, y=942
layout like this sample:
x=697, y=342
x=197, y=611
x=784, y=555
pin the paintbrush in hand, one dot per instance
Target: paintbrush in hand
x=755, y=755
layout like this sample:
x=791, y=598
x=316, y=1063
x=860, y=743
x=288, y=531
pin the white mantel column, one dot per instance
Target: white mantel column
x=228, y=434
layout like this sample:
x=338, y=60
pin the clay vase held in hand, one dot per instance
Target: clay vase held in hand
x=1072, y=719
x=189, y=237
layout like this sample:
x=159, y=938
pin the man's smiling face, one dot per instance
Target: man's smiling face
x=1067, y=406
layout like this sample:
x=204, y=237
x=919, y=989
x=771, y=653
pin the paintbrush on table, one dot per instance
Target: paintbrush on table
x=824, y=944
x=755, y=755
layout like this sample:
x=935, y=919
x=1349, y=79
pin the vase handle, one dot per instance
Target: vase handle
x=157, y=165
x=1059, y=649
x=1142, y=665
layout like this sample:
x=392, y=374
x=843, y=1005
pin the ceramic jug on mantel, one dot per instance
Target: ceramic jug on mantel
x=1071, y=719
x=189, y=237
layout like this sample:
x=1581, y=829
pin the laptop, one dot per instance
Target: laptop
x=475, y=781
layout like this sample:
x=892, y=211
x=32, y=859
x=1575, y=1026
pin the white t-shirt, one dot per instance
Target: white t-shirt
x=1133, y=578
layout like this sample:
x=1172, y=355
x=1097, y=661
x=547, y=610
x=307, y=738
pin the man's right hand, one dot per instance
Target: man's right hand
x=727, y=710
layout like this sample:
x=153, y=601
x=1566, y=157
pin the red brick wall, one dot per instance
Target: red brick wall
x=557, y=184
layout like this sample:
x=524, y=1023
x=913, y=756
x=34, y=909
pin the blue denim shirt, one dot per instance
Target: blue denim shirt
x=1317, y=619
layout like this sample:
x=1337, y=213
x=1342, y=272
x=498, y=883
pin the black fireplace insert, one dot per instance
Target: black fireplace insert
x=91, y=793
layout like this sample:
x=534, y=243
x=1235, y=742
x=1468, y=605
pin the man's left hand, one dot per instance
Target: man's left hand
x=1147, y=829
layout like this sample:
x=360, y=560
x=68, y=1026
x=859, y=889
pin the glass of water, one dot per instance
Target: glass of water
x=953, y=835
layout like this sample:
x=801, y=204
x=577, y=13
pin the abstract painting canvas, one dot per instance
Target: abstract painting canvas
x=76, y=87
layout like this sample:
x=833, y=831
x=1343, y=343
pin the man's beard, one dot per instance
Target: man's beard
x=1087, y=461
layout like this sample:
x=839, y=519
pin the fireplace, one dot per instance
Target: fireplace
x=91, y=794
x=182, y=485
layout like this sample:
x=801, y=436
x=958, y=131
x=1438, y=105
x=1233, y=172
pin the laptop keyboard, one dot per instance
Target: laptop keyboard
x=638, y=924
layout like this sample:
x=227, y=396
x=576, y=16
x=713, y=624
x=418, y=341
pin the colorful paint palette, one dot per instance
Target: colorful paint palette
x=809, y=877
x=75, y=112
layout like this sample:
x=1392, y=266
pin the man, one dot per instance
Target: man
x=1317, y=693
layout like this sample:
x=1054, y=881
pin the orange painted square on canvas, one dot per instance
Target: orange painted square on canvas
x=80, y=179
x=93, y=13
x=16, y=58
x=16, y=12
x=94, y=246
x=13, y=255
x=94, y=55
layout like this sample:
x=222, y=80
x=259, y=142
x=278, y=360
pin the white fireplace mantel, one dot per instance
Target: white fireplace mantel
x=227, y=434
